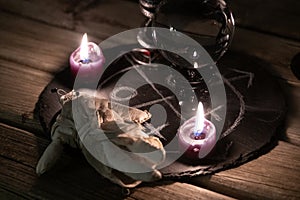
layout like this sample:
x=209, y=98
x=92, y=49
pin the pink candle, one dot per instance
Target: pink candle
x=197, y=136
x=88, y=59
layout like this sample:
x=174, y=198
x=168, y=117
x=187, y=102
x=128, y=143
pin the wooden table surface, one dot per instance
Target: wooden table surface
x=36, y=39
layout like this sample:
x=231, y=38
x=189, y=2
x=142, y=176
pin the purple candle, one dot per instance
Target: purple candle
x=197, y=136
x=88, y=58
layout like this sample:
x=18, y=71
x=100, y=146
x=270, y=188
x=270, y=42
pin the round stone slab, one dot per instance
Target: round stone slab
x=255, y=109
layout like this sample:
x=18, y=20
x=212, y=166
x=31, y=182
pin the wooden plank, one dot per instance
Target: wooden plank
x=23, y=181
x=261, y=178
x=28, y=96
x=42, y=46
x=21, y=37
x=35, y=44
x=8, y=195
x=109, y=18
x=280, y=18
x=275, y=175
x=66, y=13
x=53, y=12
x=171, y=190
x=276, y=52
x=292, y=125
x=20, y=87
x=276, y=17
x=21, y=146
x=75, y=179
x=55, y=44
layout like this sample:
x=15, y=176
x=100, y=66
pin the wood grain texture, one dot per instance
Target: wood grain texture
x=109, y=18
x=272, y=176
x=20, y=87
x=35, y=44
x=175, y=190
x=275, y=175
x=55, y=44
x=74, y=178
x=55, y=12
x=292, y=125
x=275, y=51
x=36, y=40
x=275, y=17
x=8, y=195
x=277, y=54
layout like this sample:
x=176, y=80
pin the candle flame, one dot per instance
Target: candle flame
x=199, y=124
x=84, y=49
x=195, y=54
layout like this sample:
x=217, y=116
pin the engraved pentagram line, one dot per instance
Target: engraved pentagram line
x=227, y=81
x=153, y=102
x=156, y=131
x=237, y=121
x=241, y=112
x=214, y=114
x=143, y=75
x=249, y=75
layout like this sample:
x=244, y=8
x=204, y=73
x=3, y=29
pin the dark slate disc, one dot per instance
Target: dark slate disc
x=256, y=102
x=255, y=109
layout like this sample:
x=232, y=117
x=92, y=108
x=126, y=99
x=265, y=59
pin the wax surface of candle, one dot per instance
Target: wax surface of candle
x=197, y=136
x=88, y=60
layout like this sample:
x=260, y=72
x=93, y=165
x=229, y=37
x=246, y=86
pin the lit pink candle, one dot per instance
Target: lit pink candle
x=197, y=136
x=88, y=59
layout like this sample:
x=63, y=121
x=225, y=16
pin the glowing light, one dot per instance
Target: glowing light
x=195, y=54
x=84, y=49
x=199, y=124
x=196, y=65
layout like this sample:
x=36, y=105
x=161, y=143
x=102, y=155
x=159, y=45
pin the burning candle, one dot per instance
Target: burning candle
x=197, y=136
x=88, y=59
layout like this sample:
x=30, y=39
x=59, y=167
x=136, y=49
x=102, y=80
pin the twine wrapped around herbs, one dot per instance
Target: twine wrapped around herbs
x=109, y=135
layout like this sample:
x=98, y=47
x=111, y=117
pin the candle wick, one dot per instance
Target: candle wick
x=197, y=133
x=85, y=61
